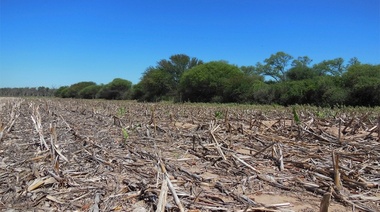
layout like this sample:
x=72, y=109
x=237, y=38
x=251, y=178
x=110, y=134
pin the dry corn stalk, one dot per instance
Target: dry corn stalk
x=335, y=163
x=246, y=164
x=41, y=181
x=2, y=129
x=36, y=183
x=153, y=118
x=6, y=128
x=163, y=195
x=226, y=121
x=213, y=128
x=281, y=158
x=339, y=129
x=325, y=203
x=55, y=153
x=171, y=187
x=14, y=115
x=36, y=118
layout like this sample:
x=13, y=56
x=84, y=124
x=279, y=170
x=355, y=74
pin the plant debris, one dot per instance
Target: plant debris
x=81, y=155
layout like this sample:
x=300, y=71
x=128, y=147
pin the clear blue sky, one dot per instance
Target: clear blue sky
x=60, y=42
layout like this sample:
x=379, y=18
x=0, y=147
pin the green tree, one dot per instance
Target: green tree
x=251, y=71
x=328, y=91
x=89, y=92
x=275, y=66
x=177, y=65
x=302, y=62
x=117, y=89
x=161, y=82
x=333, y=67
x=155, y=85
x=296, y=92
x=300, y=73
x=353, y=61
x=207, y=82
x=73, y=90
x=137, y=92
x=300, y=69
x=363, y=83
x=239, y=89
x=320, y=91
x=60, y=91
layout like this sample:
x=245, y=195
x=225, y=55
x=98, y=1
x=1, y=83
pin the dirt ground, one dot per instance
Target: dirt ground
x=87, y=155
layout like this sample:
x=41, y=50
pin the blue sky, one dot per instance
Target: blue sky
x=60, y=42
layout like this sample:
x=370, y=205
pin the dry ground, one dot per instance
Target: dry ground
x=76, y=155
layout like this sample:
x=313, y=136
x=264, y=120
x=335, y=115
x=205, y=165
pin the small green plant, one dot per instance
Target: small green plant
x=296, y=118
x=218, y=114
x=121, y=112
x=320, y=114
x=125, y=134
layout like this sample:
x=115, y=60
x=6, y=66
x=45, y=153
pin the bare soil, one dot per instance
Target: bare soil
x=82, y=155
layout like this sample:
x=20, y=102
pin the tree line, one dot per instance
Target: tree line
x=279, y=79
x=27, y=91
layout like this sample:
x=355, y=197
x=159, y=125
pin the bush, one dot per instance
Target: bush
x=240, y=89
x=73, y=90
x=320, y=91
x=300, y=73
x=89, y=92
x=61, y=91
x=155, y=85
x=363, y=84
x=116, y=89
x=266, y=94
x=207, y=82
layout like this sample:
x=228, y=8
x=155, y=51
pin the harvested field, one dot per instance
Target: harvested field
x=77, y=155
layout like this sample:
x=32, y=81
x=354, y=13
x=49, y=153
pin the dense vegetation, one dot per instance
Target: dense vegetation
x=117, y=89
x=280, y=79
x=40, y=91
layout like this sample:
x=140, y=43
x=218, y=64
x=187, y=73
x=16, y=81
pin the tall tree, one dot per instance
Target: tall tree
x=161, y=82
x=73, y=90
x=353, y=61
x=155, y=85
x=302, y=62
x=116, y=89
x=300, y=73
x=177, y=65
x=208, y=82
x=275, y=66
x=332, y=67
x=251, y=71
x=89, y=92
x=300, y=69
x=363, y=83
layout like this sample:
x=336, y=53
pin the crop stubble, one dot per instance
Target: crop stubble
x=77, y=155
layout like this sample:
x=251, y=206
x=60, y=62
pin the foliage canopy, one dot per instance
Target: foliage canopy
x=279, y=79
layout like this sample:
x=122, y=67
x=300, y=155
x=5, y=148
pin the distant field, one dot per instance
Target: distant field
x=83, y=155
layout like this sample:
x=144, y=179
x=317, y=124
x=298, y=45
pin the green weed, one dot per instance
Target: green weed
x=121, y=112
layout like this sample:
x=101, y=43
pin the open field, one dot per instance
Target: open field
x=77, y=155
